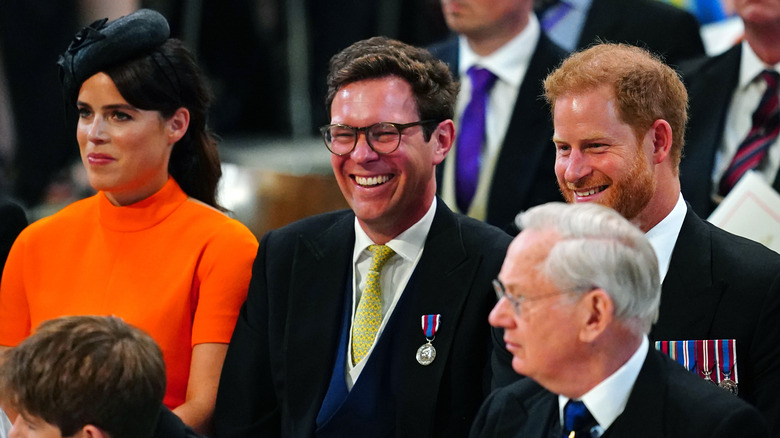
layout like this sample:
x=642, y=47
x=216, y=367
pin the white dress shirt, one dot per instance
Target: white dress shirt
x=408, y=247
x=607, y=400
x=664, y=235
x=739, y=119
x=509, y=64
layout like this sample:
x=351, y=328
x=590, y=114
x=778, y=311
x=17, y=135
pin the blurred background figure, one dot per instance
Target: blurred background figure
x=734, y=115
x=501, y=161
x=661, y=28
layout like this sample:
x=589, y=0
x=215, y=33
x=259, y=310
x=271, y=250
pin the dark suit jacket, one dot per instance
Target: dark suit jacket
x=524, y=174
x=281, y=356
x=711, y=83
x=12, y=222
x=171, y=426
x=719, y=286
x=666, y=401
x=659, y=27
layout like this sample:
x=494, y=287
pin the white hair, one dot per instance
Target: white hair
x=598, y=248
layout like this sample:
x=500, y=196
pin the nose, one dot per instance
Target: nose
x=96, y=132
x=502, y=315
x=576, y=166
x=363, y=152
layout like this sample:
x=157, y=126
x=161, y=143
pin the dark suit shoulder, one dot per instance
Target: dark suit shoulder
x=695, y=407
x=316, y=224
x=508, y=411
x=480, y=235
x=657, y=26
x=447, y=50
x=741, y=256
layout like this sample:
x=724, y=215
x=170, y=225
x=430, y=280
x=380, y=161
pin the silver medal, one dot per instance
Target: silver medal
x=426, y=354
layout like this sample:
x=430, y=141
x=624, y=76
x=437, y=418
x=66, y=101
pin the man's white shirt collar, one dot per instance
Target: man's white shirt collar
x=664, y=235
x=510, y=61
x=607, y=400
x=751, y=66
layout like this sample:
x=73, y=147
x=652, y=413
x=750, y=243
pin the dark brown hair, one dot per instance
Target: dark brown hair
x=87, y=370
x=164, y=80
x=432, y=84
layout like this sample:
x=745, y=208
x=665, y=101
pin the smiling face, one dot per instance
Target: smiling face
x=543, y=337
x=598, y=156
x=387, y=192
x=125, y=150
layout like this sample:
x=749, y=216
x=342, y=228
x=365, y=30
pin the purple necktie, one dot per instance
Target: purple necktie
x=766, y=126
x=471, y=137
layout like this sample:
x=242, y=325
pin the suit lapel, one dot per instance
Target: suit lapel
x=317, y=300
x=689, y=294
x=439, y=285
x=710, y=87
x=643, y=414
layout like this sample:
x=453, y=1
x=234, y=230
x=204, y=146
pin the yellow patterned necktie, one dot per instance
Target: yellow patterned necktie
x=368, y=315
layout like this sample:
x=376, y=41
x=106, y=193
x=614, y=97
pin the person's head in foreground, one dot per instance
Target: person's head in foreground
x=84, y=376
x=619, y=114
x=578, y=290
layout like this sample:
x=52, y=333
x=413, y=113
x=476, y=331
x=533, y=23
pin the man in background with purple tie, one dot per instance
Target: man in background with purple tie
x=734, y=111
x=619, y=116
x=502, y=157
x=578, y=293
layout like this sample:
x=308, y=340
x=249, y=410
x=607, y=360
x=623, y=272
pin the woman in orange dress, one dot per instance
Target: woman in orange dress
x=152, y=246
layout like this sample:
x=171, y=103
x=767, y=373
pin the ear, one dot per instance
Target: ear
x=443, y=138
x=660, y=136
x=177, y=125
x=90, y=431
x=599, y=313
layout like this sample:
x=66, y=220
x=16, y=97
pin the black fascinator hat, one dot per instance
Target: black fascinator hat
x=102, y=44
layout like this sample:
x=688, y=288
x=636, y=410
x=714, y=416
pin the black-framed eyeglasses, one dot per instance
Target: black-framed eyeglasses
x=382, y=137
x=518, y=301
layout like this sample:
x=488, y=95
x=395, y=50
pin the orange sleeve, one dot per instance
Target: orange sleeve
x=223, y=273
x=14, y=309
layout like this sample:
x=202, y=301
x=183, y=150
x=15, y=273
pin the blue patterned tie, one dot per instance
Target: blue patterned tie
x=577, y=420
x=471, y=137
x=368, y=315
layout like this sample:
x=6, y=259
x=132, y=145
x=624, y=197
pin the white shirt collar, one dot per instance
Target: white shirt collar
x=408, y=244
x=751, y=66
x=510, y=59
x=607, y=400
x=664, y=235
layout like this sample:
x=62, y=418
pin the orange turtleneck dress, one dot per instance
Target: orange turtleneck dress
x=169, y=265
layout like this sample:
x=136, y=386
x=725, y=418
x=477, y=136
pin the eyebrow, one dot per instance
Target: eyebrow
x=596, y=138
x=114, y=106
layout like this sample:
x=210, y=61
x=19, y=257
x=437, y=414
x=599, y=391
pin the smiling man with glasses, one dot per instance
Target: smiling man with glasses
x=371, y=321
x=578, y=292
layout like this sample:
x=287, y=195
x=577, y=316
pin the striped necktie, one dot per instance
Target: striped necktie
x=766, y=126
x=368, y=315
